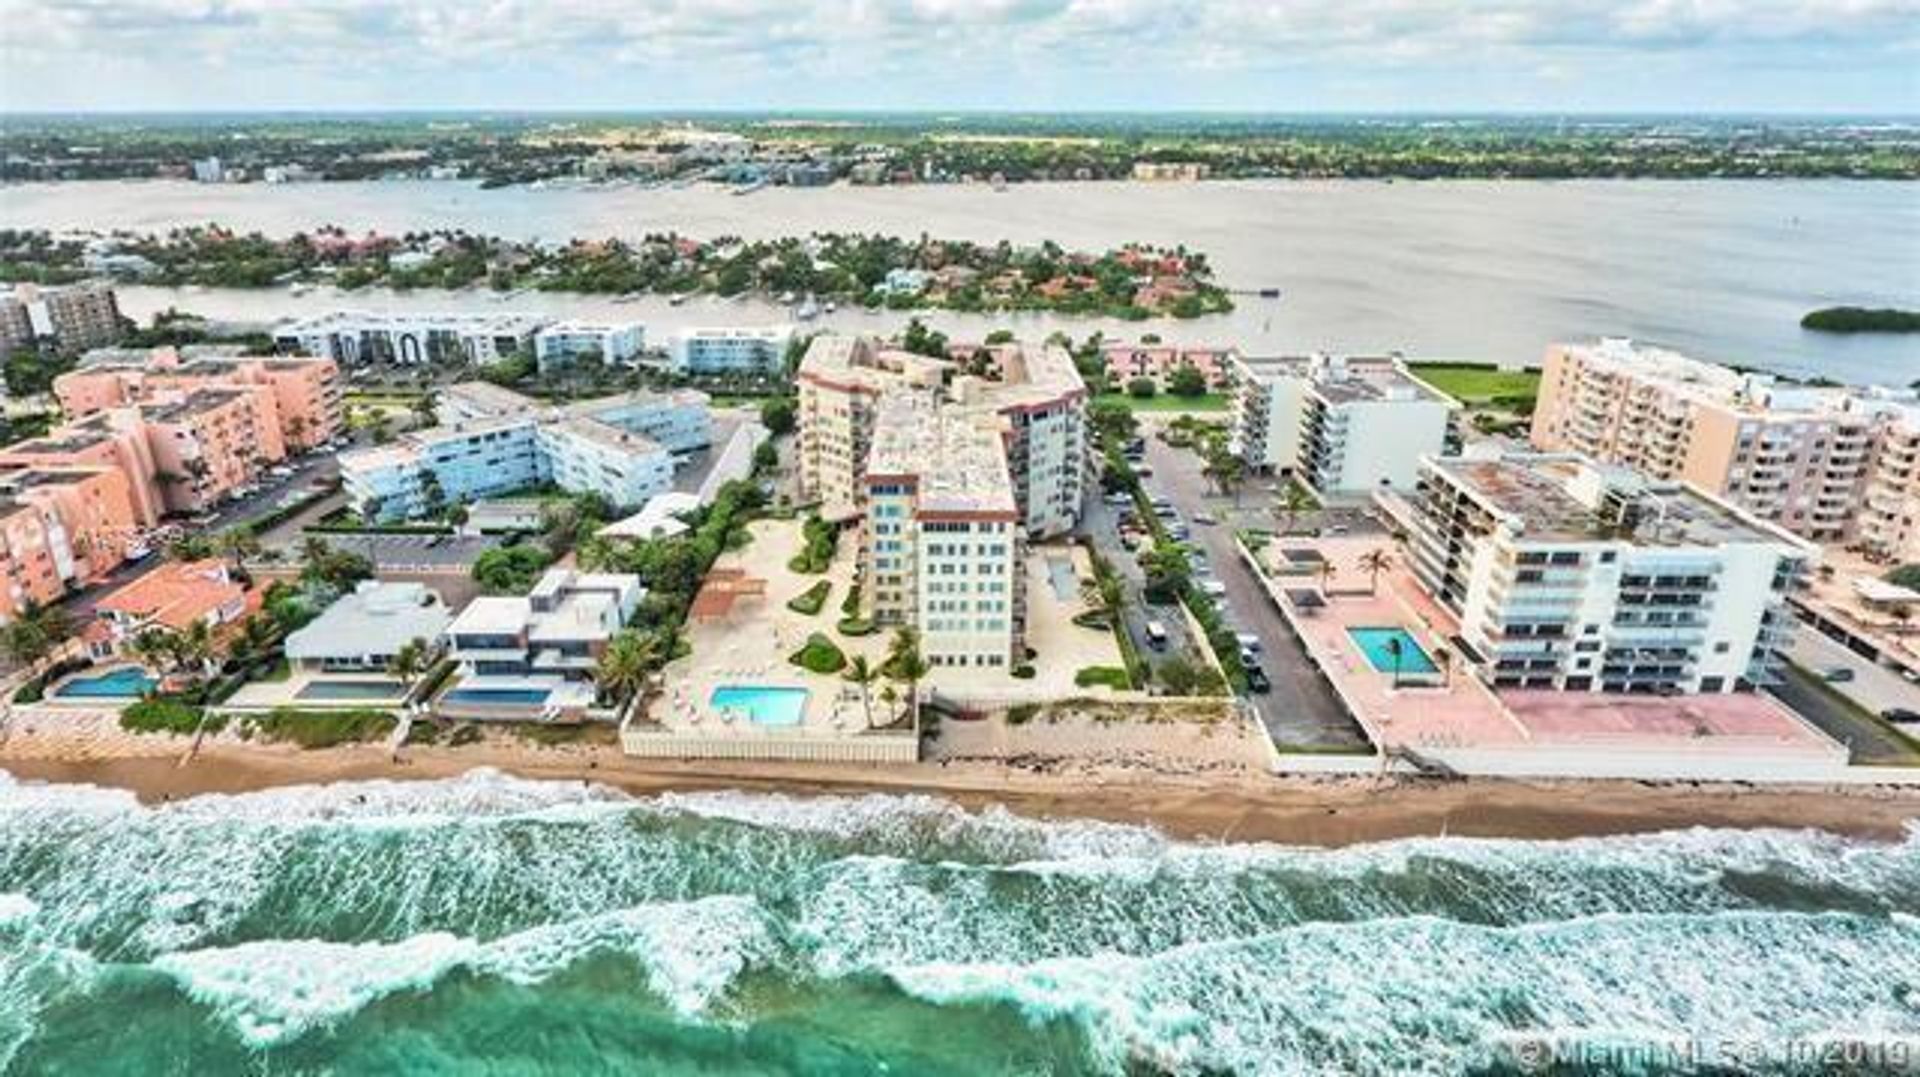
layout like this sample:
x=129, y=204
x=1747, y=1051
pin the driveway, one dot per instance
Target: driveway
x=1301, y=708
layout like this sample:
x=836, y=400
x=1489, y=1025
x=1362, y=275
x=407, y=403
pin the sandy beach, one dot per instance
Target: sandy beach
x=1223, y=804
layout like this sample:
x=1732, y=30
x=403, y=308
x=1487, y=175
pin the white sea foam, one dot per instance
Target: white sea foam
x=1436, y=995
x=16, y=910
x=273, y=991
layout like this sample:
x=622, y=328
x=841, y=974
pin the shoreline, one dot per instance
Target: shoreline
x=1328, y=812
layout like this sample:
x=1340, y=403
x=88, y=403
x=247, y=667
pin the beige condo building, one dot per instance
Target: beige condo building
x=1803, y=457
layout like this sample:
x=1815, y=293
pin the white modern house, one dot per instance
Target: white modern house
x=614, y=343
x=536, y=652
x=365, y=629
x=1342, y=426
x=760, y=350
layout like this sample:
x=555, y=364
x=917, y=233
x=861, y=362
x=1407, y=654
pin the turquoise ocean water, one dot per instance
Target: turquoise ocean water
x=491, y=925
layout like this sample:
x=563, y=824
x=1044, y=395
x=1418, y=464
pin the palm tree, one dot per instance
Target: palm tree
x=192, y=546
x=860, y=671
x=1225, y=471
x=1293, y=502
x=36, y=632
x=238, y=544
x=409, y=661
x=154, y=648
x=905, y=663
x=194, y=649
x=623, y=666
x=1327, y=573
x=1375, y=562
x=889, y=697
x=1444, y=659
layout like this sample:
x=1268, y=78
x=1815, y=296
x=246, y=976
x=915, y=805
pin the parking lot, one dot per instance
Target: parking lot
x=1300, y=707
x=422, y=553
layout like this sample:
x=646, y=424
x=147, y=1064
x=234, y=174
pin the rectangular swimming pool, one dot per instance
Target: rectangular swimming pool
x=350, y=690
x=499, y=697
x=1379, y=644
x=124, y=683
x=765, y=706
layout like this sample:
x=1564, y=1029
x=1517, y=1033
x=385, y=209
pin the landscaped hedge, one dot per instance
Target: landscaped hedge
x=1110, y=676
x=856, y=626
x=820, y=655
x=816, y=555
x=36, y=689
x=812, y=600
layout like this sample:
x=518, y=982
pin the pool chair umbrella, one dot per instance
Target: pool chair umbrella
x=1394, y=650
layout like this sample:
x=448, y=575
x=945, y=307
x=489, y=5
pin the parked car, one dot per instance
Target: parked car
x=1902, y=715
x=1205, y=518
x=1836, y=674
x=1247, y=640
x=1257, y=681
x=1156, y=635
x=1214, y=588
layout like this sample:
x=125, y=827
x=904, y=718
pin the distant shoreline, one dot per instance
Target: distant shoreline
x=1249, y=808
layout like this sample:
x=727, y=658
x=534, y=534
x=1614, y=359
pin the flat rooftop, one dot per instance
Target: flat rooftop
x=1347, y=379
x=1555, y=499
x=487, y=397
x=501, y=322
x=955, y=452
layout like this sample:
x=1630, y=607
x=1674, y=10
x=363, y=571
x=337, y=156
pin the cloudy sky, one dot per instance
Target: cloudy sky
x=1265, y=55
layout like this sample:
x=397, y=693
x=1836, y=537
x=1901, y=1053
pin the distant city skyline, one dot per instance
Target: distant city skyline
x=1572, y=56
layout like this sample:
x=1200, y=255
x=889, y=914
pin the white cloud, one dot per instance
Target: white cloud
x=99, y=53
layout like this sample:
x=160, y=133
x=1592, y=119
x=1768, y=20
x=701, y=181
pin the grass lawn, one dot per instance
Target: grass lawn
x=1167, y=402
x=1472, y=383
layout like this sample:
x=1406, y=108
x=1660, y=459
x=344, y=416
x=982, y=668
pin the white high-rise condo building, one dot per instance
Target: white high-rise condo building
x=1342, y=426
x=941, y=548
x=1582, y=577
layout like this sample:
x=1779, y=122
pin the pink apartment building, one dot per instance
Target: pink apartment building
x=1126, y=362
x=59, y=529
x=298, y=397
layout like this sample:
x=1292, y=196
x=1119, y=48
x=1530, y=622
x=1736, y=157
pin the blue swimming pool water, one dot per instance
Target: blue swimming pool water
x=1373, y=642
x=766, y=706
x=350, y=690
x=125, y=682
x=522, y=697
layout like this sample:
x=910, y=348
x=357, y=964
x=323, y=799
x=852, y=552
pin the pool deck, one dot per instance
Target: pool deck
x=1463, y=721
x=266, y=695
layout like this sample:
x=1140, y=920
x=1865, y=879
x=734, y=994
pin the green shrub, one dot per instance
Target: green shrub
x=465, y=735
x=856, y=626
x=820, y=655
x=1022, y=713
x=810, y=601
x=322, y=729
x=816, y=553
x=166, y=716
x=850, y=605
x=1110, y=676
x=1024, y=672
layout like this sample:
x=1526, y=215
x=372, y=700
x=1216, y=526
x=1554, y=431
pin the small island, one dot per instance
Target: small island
x=1862, y=320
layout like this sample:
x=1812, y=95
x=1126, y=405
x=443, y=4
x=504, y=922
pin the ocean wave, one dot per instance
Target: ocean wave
x=16, y=910
x=1436, y=995
x=274, y=991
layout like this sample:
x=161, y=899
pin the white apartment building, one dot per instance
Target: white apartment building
x=354, y=337
x=1576, y=576
x=941, y=544
x=1800, y=456
x=760, y=350
x=1342, y=426
x=614, y=343
x=493, y=440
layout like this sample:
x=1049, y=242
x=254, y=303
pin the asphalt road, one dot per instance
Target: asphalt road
x=1873, y=686
x=1301, y=708
x=1867, y=741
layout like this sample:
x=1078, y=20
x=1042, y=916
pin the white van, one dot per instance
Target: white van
x=1156, y=635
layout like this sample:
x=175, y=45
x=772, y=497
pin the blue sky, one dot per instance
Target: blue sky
x=1252, y=55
